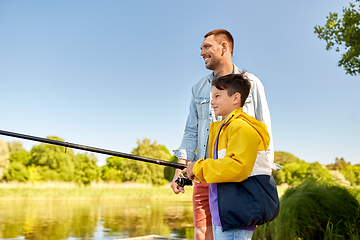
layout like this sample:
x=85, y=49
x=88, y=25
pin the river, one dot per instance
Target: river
x=98, y=220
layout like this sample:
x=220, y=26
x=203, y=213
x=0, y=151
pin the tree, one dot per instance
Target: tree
x=151, y=172
x=56, y=164
x=86, y=169
x=4, y=157
x=16, y=171
x=15, y=146
x=344, y=32
x=122, y=169
x=19, y=158
x=169, y=172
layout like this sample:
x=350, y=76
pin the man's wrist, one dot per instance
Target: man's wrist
x=183, y=161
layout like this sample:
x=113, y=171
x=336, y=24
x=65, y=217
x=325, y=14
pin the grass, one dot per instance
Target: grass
x=315, y=210
x=14, y=191
x=96, y=191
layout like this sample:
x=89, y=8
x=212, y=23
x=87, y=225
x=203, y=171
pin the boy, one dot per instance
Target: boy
x=234, y=145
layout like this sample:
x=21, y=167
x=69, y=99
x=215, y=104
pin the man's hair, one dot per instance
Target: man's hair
x=222, y=35
x=234, y=83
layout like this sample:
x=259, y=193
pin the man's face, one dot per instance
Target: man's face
x=211, y=53
x=221, y=102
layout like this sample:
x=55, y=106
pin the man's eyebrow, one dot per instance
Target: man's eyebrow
x=205, y=45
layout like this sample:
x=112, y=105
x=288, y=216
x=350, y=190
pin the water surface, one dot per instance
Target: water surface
x=99, y=220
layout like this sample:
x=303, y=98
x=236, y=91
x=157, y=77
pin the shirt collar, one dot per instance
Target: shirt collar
x=212, y=75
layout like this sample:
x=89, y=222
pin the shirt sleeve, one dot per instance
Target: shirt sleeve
x=238, y=162
x=262, y=112
x=190, y=138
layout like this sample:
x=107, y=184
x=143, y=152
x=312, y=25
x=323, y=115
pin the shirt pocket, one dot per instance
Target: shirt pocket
x=202, y=107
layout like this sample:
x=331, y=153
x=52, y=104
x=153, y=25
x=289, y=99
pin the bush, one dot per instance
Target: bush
x=315, y=210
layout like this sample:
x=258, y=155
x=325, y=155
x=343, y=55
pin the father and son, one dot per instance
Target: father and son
x=227, y=139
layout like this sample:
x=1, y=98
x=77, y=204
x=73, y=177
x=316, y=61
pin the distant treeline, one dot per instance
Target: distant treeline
x=47, y=162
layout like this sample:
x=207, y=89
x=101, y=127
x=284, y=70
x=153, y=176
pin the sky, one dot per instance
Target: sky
x=110, y=73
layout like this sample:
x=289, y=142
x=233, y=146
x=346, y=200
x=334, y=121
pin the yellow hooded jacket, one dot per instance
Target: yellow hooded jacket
x=240, y=140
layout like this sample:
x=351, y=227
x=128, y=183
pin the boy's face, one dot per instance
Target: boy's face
x=222, y=103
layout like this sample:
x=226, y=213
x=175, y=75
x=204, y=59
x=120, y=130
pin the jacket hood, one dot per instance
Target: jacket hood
x=260, y=127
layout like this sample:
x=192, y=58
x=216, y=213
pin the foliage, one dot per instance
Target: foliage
x=170, y=171
x=351, y=173
x=112, y=171
x=16, y=171
x=295, y=171
x=15, y=147
x=121, y=169
x=4, y=157
x=344, y=32
x=56, y=164
x=50, y=162
x=86, y=169
x=314, y=210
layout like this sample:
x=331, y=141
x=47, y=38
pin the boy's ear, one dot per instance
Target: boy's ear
x=237, y=98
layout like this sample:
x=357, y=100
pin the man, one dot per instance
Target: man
x=216, y=50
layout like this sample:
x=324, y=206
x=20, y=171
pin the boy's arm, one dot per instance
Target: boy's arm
x=238, y=162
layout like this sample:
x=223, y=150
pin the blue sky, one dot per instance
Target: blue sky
x=108, y=73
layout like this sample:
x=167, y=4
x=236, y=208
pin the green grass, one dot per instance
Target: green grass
x=98, y=191
x=315, y=210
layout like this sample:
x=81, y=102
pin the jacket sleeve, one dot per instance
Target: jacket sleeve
x=238, y=162
x=190, y=137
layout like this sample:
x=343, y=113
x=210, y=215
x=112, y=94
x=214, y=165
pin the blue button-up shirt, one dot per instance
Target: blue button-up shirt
x=201, y=114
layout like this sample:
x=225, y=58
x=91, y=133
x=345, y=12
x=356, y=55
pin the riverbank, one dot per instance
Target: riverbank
x=62, y=191
x=65, y=191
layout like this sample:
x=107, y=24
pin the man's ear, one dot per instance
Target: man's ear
x=224, y=47
x=237, y=98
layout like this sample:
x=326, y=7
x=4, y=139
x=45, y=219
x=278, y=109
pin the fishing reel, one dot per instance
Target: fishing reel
x=182, y=181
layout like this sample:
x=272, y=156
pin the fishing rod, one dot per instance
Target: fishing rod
x=181, y=181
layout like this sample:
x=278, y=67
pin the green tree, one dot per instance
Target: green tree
x=4, y=157
x=296, y=171
x=122, y=169
x=112, y=171
x=318, y=172
x=170, y=171
x=55, y=163
x=151, y=172
x=15, y=146
x=86, y=169
x=283, y=158
x=16, y=171
x=344, y=32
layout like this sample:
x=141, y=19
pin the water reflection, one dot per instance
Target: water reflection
x=102, y=220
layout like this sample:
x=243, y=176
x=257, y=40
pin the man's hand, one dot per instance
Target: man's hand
x=173, y=184
x=189, y=172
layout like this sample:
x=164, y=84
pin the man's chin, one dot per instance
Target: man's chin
x=209, y=66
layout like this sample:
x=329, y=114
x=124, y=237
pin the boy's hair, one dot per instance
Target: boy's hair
x=234, y=83
x=222, y=35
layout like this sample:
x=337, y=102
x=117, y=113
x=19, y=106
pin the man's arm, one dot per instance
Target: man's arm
x=190, y=138
x=262, y=112
x=188, y=146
